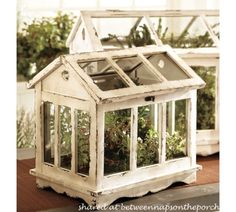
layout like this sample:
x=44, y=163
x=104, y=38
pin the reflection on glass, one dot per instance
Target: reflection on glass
x=82, y=141
x=176, y=134
x=169, y=69
x=65, y=136
x=148, y=136
x=206, y=98
x=49, y=132
x=103, y=75
x=183, y=32
x=117, y=141
x=137, y=71
x=133, y=32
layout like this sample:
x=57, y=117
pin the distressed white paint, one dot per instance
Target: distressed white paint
x=79, y=92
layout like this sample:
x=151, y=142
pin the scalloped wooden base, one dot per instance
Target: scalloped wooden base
x=105, y=197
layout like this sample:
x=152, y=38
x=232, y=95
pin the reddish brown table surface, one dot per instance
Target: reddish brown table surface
x=30, y=198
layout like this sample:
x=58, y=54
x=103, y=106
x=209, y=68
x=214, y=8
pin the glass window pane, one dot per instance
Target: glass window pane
x=134, y=32
x=137, y=71
x=176, y=136
x=169, y=69
x=49, y=132
x=148, y=136
x=103, y=75
x=214, y=23
x=206, y=98
x=117, y=141
x=82, y=141
x=65, y=136
x=182, y=32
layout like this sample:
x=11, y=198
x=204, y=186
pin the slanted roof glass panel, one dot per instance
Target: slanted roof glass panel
x=169, y=69
x=103, y=75
x=137, y=71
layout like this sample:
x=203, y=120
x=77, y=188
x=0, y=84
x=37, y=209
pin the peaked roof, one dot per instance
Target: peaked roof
x=167, y=70
x=86, y=15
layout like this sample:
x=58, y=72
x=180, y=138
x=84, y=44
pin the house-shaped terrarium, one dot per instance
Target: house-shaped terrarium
x=104, y=124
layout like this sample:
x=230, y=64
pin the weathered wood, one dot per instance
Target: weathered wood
x=171, y=116
x=210, y=31
x=162, y=130
x=92, y=33
x=93, y=142
x=191, y=113
x=57, y=136
x=45, y=72
x=100, y=146
x=72, y=87
x=74, y=152
x=77, y=91
x=152, y=68
x=153, y=31
x=151, y=13
x=134, y=139
x=121, y=73
x=217, y=98
x=39, y=127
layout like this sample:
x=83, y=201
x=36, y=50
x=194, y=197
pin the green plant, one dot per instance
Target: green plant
x=206, y=98
x=175, y=145
x=82, y=133
x=117, y=140
x=25, y=129
x=41, y=42
x=147, y=149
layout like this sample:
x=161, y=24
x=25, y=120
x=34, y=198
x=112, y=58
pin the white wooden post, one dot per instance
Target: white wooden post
x=57, y=138
x=74, y=143
x=171, y=117
x=39, y=127
x=191, y=112
x=133, y=140
x=217, y=98
x=162, y=132
x=100, y=146
x=156, y=117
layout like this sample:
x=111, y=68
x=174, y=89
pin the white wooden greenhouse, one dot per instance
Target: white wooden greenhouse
x=105, y=127
x=194, y=35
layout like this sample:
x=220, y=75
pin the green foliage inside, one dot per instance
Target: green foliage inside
x=175, y=146
x=65, y=129
x=41, y=42
x=25, y=129
x=148, y=138
x=82, y=135
x=116, y=141
x=206, y=98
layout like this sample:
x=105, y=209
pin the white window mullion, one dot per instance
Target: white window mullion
x=133, y=140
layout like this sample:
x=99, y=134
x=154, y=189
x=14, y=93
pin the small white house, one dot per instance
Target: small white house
x=105, y=127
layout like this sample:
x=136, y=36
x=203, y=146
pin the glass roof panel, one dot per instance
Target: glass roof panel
x=182, y=32
x=137, y=71
x=214, y=23
x=103, y=75
x=131, y=32
x=169, y=69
